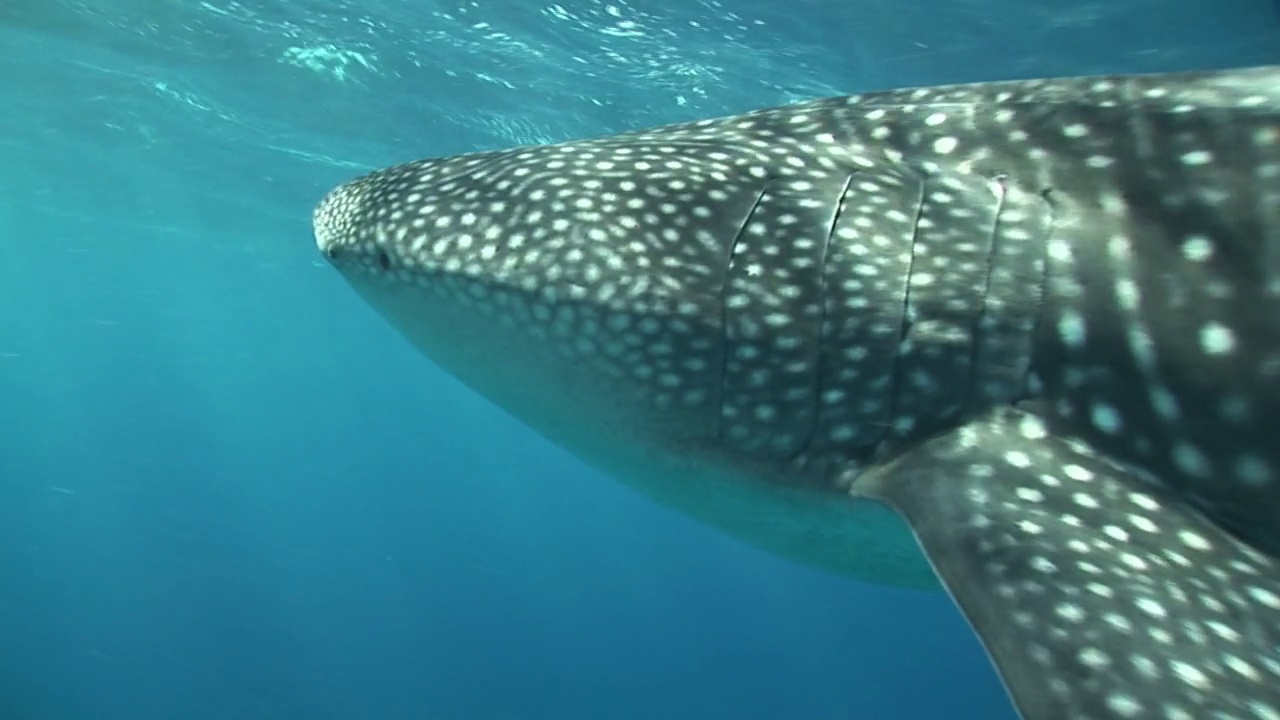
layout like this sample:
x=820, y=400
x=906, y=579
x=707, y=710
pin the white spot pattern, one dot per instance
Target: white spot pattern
x=1164, y=291
x=1134, y=602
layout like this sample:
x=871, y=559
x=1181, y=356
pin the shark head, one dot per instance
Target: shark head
x=653, y=302
x=1018, y=339
x=563, y=282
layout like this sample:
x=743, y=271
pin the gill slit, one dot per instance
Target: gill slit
x=820, y=365
x=724, y=306
x=896, y=377
x=1031, y=378
x=977, y=332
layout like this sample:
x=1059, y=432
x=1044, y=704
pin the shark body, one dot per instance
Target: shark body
x=1021, y=339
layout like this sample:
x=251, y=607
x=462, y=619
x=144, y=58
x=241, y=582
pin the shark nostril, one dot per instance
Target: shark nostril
x=384, y=260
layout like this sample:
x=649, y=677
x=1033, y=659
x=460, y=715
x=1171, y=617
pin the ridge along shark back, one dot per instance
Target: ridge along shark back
x=1021, y=339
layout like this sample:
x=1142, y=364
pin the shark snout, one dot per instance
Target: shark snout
x=333, y=220
x=322, y=226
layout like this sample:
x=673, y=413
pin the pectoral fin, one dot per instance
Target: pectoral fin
x=1096, y=594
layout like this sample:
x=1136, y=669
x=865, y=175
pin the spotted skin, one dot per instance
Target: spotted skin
x=1097, y=596
x=1038, y=322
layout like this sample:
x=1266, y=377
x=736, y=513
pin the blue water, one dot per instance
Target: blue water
x=228, y=491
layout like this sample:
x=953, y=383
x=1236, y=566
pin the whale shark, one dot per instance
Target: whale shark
x=1017, y=341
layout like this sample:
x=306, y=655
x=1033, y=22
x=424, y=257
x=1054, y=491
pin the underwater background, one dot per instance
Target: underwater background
x=228, y=491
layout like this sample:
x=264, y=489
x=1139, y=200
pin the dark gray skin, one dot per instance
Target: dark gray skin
x=1031, y=329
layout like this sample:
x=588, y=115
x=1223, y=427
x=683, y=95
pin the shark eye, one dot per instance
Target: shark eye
x=331, y=252
x=384, y=260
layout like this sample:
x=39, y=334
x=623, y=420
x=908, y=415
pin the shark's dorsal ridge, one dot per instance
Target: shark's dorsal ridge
x=1032, y=325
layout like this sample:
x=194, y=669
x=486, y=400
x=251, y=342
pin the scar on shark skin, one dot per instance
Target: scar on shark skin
x=1013, y=340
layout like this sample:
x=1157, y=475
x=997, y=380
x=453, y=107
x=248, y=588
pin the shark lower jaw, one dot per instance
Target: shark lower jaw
x=541, y=374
